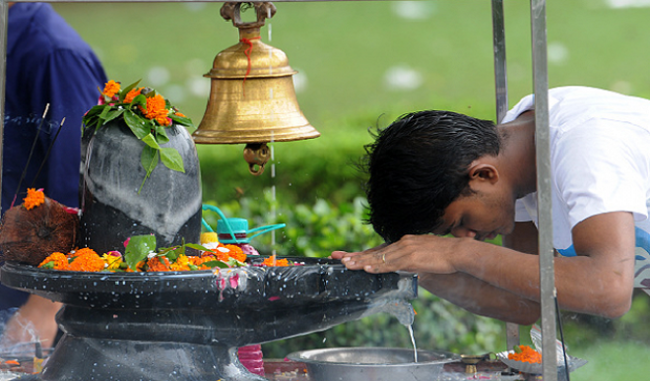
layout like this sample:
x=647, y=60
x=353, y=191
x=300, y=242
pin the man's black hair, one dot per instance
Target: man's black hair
x=418, y=165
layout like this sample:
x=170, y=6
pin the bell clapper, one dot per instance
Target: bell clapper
x=256, y=155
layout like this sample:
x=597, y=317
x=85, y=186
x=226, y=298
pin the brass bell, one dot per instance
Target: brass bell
x=252, y=98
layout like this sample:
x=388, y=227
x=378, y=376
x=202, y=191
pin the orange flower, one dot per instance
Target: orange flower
x=158, y=264
x=60, y=261
x=111, y=88
x=180, y=114
x=86, y=260
x=132, y=94
x=164, y=120
x=34, y=198
x=527, y=354
x=156, y=109
x=236, y=253
x=272, y=261
x=199, y=261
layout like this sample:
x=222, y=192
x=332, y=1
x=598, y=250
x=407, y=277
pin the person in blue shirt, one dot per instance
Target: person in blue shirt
x=48, y=63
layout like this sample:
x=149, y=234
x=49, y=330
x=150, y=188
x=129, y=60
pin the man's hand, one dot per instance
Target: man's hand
x=412, y=253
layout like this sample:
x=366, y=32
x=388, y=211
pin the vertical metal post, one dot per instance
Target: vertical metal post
x=499, y=42
x=4, y=19
x=544, y=198
x=501, y=88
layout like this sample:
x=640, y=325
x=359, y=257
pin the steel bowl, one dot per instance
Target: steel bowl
x=372, y=364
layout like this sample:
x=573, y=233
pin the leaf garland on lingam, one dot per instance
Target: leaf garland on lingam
x=148, y=115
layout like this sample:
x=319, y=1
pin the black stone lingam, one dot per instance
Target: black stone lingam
x=187, y=326
x=115, y=202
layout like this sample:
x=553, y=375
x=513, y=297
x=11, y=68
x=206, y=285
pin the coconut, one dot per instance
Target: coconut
x=29, y=236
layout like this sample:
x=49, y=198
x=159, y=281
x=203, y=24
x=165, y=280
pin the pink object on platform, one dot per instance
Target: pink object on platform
x=251, y=358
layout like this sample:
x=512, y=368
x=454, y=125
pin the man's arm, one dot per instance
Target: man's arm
x=480, y=297
x=34, y=320
x=598, y=281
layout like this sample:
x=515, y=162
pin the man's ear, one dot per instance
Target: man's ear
x=482, y=172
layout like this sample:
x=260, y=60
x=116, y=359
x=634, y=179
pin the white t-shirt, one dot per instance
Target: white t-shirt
x=600, y=163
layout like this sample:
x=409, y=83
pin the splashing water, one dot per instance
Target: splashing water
x=403, y=311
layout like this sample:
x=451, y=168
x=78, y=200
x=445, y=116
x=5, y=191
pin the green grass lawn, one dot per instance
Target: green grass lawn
x=439, y=51
x=385, y=58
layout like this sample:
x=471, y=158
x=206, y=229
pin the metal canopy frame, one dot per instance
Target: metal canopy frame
x=540, y=84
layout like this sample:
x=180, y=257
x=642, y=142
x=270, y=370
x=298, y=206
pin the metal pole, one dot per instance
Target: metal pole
x=544, y=202
x=500, y=74
x=4, y=18
x=501, y=88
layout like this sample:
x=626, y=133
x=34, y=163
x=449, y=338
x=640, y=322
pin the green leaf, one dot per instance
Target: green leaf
x=113, y=114
x=172, y=159
x=151, y=141
x=213, y=264
x=104, y=113
x=138, y=248
x=139, y=100
x=197, y=246
x=126, y=90
x=161, y=134
x=184, y=121
x=149, y=161
x=94, y=111
x=136, y=124
x=172, y=253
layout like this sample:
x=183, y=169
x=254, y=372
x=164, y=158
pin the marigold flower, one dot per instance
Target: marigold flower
x=236, y=253
x=132, y=94
x=34, y=198
x=180, y=114
x=272, y=261
x=199, y=261
x=526, y=354
x=182, y=263
x=60, y=261
x=111, y=88
x=86, y=260
x=156, y=108
x=158, y=264
x=164, y=120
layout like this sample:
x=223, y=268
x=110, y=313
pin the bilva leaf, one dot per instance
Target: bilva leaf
x=138, y=248
x=113, y=114
x=185, y=121
x=150, y=141
x=149, y=160
x=213, y=264
x=161, y=135
x=136, y=124
x=196, y=246
x=172, y=159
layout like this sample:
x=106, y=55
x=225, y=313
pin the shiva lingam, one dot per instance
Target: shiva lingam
x=188, y=325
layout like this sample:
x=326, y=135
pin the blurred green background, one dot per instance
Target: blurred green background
x=362, y=64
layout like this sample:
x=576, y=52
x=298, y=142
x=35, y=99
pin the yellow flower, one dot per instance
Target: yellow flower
x=111, y=88
x=182, y=263
x=34, y=198
x=113, y=259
